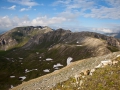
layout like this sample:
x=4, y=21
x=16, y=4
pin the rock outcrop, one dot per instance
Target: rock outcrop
x=20, y=35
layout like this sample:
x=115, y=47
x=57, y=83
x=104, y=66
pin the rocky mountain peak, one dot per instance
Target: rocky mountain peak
x=20, y=35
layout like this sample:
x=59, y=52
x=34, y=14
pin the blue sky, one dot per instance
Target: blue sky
x=77, y=15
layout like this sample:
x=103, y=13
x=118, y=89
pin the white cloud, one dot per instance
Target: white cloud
x=24, y=2
x=103, y=30
x=96, y=10
x=70, y=15
x=113, y=2
x=74, y=4
x=68, y=18
x=25, y=9
x=104, y=12
x=54, y=22
x=12, y=7
x=7, y=23
x=82, y=4
x=61, y=2
x=44, y=20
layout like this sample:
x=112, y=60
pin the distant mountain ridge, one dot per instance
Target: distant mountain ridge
x=66, y=37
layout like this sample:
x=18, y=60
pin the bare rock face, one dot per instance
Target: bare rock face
x=2, y=42
x=6, y=42
x=20, y=35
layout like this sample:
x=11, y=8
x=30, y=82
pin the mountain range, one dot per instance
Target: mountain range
x=33, y=51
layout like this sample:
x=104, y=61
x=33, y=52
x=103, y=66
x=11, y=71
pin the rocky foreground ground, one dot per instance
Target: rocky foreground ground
x=49, y=81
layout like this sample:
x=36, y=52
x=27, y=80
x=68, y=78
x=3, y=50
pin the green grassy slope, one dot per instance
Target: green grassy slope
x=106, y=78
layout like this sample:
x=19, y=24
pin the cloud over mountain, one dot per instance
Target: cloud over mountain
x=77, y=15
